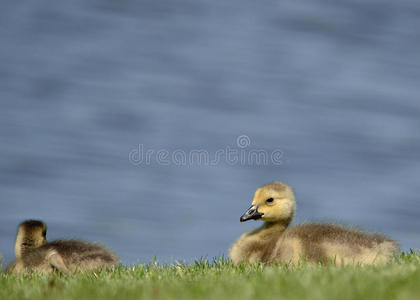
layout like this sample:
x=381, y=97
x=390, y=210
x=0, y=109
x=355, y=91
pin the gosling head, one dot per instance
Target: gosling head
x=31, y=234
x=274, y=202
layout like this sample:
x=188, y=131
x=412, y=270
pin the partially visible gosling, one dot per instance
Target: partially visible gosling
x=274, y=241
x=34, y=253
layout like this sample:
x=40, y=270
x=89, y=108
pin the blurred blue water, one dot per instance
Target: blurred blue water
x=334, y=85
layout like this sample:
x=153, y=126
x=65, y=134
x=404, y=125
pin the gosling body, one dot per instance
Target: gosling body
x=35, y=254
x=275, y=241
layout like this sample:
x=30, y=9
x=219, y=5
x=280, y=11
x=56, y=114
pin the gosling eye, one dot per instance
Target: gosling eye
x=269, y=200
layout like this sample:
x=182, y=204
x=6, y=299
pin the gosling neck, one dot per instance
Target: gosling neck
x=24, y=245
x=22, y=248
x=270, y=228
x=277, y=225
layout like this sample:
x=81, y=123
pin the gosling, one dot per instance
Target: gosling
x=35, y=254
x=275, y=241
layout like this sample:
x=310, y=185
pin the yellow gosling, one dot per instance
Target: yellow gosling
x=275, y=241
x=35, y=254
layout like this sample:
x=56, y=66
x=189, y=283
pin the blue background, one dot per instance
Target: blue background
x=333, y=84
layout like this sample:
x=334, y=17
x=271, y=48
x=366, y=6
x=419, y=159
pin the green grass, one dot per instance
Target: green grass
x=221, y=280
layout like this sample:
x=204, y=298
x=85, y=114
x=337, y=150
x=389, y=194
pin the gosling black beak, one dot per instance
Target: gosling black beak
x=251, y=214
